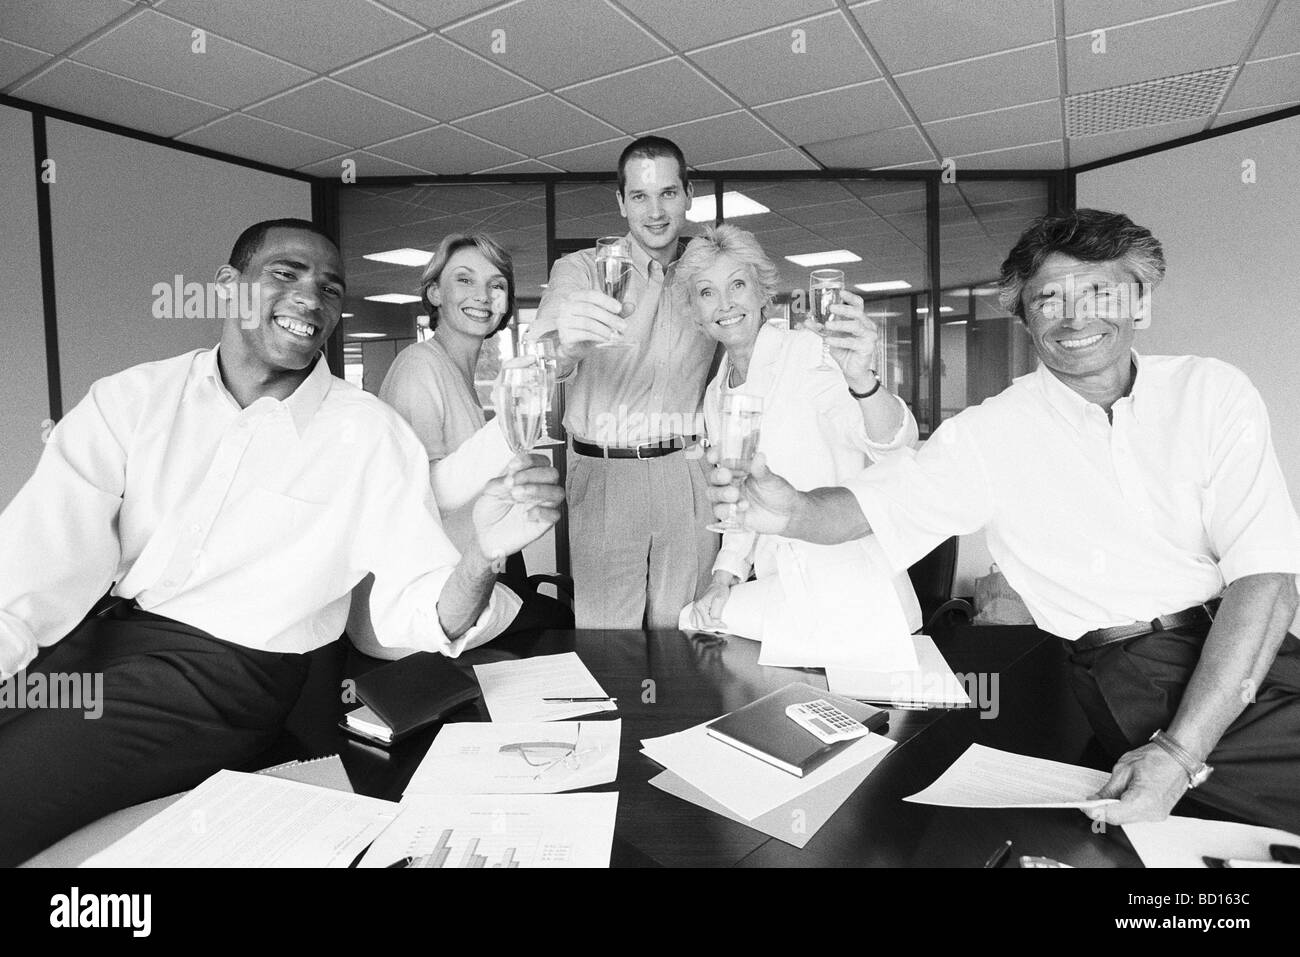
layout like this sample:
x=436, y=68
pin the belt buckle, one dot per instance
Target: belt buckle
x=646, y=445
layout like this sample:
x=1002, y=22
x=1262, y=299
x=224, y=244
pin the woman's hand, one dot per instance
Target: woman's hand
x=707, y=612
x=852, y=338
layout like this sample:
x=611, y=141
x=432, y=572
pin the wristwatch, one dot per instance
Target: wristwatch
x=1197, y=771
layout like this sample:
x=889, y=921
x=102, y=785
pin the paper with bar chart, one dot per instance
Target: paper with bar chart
x=478, y=757
x=499, y=831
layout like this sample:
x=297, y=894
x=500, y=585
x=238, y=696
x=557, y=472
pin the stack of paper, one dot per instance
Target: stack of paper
x=930, y=684
x=498, y=831
x=714, y=775
x=517, y=690
x=987, y=777
x=1187, y=841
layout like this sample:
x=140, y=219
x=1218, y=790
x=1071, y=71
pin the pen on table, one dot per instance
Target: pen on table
x=998, y=857
x=580, y=700
x=404, y=862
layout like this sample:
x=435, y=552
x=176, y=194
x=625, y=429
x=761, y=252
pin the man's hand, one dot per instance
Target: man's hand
x=766, y=502
x=707, y=610
x=1148, y=783
x=516, y=508
x=852, y=339
x=585, y=318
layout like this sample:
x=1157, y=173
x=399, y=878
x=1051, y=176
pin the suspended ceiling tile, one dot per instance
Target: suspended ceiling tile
x=987, y=83
x=912, y=34
x=157, y=50
x=690, y=24
x=366, y=164
x=1084, y=16
x=777, y=159
x=1035, y=156
x=864, y=108
x=536, y=39
x=1282, y=34
x=318, y=35
x=1015, y=126
x=439, y=13
x=651, y=97
x=774, y=66
x=16, y=61
x=1088, y=149
x=1236, y=116
x=1173, y=45
x=722, y=137
x=54, y=25
x=1266, y=82
x=259, y=140
x=542, y=125
x=599, y=158
x=330, y=109
x=872, y=150
x=436, y=78
x=525, y=166
x=79, y=89
x=445, y=150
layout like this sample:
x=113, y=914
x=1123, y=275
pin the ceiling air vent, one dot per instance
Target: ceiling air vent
x=1148, y=103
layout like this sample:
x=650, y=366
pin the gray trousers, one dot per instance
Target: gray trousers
x=637, y=538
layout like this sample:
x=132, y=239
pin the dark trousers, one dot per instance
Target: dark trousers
x=177, y=705
x=1131, y=688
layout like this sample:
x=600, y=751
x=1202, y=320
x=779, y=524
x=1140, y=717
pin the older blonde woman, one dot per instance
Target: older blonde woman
x=818, y=429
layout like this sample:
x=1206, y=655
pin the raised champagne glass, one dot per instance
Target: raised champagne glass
x=520, y=399
x=737, y=441
x=824, y=289
x=544, y=350
x=614, y=272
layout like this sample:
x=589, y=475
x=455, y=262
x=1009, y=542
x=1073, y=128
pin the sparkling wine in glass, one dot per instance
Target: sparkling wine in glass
x=521, y=402
x=613, y=272
x=824, y=288
x=737, y=441
x=544, y=350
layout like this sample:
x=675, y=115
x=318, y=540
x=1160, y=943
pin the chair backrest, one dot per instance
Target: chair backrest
x=932, y=577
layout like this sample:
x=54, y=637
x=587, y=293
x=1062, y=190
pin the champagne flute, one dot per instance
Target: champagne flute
x=520, y=400
x=824, y=288
x=544, y=351
x=614, y=272
x=737, y=442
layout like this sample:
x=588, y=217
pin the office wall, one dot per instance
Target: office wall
x=1233, y=249
x=23, y=393
x=126, y=215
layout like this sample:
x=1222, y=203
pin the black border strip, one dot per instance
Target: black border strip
x=68, y=117
x=325, y=214
x=45, y=234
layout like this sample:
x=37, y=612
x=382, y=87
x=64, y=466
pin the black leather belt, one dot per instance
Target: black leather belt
x=1196, y=615
x=648, y=451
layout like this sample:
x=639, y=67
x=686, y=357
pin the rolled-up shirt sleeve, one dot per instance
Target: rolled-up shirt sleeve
x=1250, y=517
x=913, y=500
x=404, y=546
x=567, y=276
x=59, y=544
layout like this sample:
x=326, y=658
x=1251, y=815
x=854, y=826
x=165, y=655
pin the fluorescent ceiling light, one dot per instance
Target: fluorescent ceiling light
x=828, y=258
x=883, y=315
x=365, y=335
x=883, y=286
x=399, y=298
x=923, y=310
x=985, y=291
x=402, y=257
x=347, y=315
x=704, y=209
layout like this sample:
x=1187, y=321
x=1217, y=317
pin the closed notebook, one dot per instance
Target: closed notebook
x=764, y=730
x=412, y=693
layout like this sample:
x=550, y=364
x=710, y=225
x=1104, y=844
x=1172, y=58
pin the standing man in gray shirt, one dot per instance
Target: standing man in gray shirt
x=634, y=374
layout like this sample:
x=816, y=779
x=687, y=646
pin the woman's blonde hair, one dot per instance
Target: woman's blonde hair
x=493, y=251
x=725, y=240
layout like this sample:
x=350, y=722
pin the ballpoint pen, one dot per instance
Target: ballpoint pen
x=998, y=857
x=404, y=862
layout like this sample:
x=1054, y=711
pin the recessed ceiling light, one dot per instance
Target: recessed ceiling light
x=704, y=209
x=402, y=257
x=924, y=310
x=400, y=298
x=883, y=286
x=828, y=258
x=985, y=291
x=365, y=335
x=883, y=315
x=347, y=315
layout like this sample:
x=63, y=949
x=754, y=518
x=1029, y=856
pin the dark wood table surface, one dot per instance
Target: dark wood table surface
x=666, y=681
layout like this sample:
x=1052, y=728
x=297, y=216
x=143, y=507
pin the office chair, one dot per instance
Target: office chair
x=932, y=580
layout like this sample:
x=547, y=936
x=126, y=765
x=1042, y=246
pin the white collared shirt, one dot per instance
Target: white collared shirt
x=1098, y=524
x=251, y=524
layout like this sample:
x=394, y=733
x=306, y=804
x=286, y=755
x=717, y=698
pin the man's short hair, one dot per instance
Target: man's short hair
x=1089, y=235
x=252, y=238
x=651, y=147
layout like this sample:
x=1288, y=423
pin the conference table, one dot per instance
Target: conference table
x=667, y=681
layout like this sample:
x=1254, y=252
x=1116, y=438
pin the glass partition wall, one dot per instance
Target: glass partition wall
x=904, y=239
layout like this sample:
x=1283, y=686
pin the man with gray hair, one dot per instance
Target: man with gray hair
x=1135, y=503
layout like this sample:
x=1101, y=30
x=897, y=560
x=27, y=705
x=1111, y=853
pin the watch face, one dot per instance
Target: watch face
x=1201, y=775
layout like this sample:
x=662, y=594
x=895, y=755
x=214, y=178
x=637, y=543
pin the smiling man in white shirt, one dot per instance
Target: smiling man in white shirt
x=231, y=498
x=1122, y=496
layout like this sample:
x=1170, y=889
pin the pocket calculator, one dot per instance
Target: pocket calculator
x=826, y=721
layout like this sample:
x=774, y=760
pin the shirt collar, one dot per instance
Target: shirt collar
x=301, y=405
x=641, y=259
x=1075, y=407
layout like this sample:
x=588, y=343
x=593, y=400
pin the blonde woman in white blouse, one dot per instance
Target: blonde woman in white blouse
x=818, y=428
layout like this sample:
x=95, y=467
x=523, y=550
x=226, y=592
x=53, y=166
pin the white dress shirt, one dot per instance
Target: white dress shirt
x=1098, y=524
x=251, y=524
